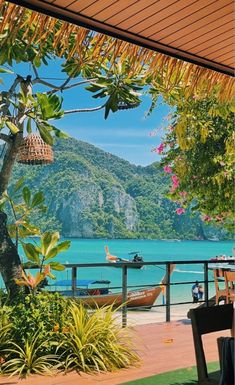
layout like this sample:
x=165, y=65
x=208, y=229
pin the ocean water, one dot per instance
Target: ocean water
x=92, y=251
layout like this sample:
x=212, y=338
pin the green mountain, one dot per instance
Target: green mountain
x=93, y=194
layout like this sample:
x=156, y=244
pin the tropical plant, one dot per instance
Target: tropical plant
x=95, y=341
x=38, y=313
x=116, y=72
x=26, y=359
x=25, y=107
x=22, y=203
x=198, y=154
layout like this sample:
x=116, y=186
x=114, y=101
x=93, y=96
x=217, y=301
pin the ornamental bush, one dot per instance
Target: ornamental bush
x=44, y=333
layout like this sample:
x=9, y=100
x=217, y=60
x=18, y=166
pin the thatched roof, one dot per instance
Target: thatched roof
x=69, y=40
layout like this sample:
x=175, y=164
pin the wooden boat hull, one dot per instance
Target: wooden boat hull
x=135, y=298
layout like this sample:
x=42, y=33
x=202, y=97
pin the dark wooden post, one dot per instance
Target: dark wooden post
x=124, y=295
x=206, y=283
x=168, y=296
x=74, y=280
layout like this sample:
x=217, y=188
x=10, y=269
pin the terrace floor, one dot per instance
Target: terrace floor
x=162, y=347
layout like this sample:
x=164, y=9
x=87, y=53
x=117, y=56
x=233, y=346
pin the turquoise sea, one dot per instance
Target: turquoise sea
x=92, y=251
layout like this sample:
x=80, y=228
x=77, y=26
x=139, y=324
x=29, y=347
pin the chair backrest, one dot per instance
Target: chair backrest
x=229, y=277
x=220, y=292
x=208, y=320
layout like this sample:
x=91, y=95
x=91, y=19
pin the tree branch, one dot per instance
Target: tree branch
x=5, y=138
x=63, y=86
x=84, y=110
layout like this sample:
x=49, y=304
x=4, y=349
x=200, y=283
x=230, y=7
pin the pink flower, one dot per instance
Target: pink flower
x=175, y=181
x=180, y=211
x=183, y=193
x=153, y=133
x=171, y=128
x=167, y=169
x=206, y=218
x=160, y=148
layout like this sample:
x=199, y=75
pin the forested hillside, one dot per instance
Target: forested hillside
x=92, y=194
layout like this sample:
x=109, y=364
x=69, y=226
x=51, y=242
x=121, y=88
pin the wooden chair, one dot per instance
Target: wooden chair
x=229, y=277
x=206, y=320
x=220, y=294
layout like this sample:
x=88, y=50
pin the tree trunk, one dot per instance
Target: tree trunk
x=10, y=263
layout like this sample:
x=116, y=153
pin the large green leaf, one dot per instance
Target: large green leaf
x=31, y=252
x=38, y=199
x=52, y=253
x=49, y=241
x=18, y=184
x=12, y=127
x=44, y=133
x=50, y=106
x=26, y=195
x=6, y=71
x=63, y=246
x=56, y=266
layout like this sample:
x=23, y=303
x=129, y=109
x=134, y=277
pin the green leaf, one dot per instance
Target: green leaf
x=49, y=240
x=26, y=195
x=18, y=184
x=63, y=246
x=56, y=266
x=38, y=199
x=31, y=253
x=5, y=71
x=45, y=135
x=12, y=127
x=52, y=253
x=28, y=127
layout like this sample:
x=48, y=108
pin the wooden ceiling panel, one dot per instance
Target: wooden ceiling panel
x=113, y=9
x=194, y=32
x=131, y=11
x=198, y=31
x=221, y=53
x=158, y=7
x=162, y=18
x=212, y=40
x=195, y=21
x=230, y=62
x=79, y=6
x=98, y=6
x=214, y=48
x=192, y=14
x=226, y=56
x=62, y=3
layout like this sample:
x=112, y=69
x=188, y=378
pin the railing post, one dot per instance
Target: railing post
x=74, y=280
x=124, y=295
x=206, y=283
x=168, y=295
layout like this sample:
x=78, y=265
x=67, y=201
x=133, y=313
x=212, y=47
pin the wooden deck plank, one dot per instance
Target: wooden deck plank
x=162, y=346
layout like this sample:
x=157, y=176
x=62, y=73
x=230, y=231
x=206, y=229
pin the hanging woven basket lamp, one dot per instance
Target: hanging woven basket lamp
x=34, y=150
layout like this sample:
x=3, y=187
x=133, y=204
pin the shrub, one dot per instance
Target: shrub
x=38, y=313
x=45, y=332
x=94, y=341
x=28, y=358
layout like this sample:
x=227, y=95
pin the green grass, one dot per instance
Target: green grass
x=187, y=376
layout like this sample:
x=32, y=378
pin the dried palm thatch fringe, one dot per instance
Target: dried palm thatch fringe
x=69, y=40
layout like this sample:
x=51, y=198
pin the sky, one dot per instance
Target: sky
x=125, y=133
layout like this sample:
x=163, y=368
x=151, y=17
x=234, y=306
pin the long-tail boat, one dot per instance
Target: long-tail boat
x=134, y=263
x=98, y=295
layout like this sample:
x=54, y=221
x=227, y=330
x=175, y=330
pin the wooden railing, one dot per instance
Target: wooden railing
x=125, y=265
